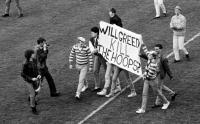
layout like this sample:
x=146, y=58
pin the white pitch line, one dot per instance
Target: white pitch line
x=137, y=79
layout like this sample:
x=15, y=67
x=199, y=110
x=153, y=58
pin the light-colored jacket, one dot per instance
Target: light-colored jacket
x=178, y=25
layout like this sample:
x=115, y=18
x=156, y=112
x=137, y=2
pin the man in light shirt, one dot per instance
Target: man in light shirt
x=178, y=25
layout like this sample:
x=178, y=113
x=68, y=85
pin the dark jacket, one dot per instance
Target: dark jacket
x=41, y=57
x=29, y=71
x=116, y=20
x=95, y=44
x=164, y=66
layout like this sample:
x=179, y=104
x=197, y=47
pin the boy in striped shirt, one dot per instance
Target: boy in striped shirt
x=83, y=57
x=150, y=77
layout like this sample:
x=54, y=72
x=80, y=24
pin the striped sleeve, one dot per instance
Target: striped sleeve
x=90, y=57
x=72, y=55
x=144, y=48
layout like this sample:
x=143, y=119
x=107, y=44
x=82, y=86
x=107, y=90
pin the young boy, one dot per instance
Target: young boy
x=31, y=75
x=83, y=56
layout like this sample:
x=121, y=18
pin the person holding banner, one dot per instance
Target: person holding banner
x=178, y=25
x=83, y=57
x=98, y=58
x=114, y=18
x=31, y=75
x=164, y=69
x=151, y=79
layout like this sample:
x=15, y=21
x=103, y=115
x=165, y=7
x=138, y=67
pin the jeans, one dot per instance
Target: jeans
x=155, y=86
x=117, y=71
x=83, y=69
x=98, y=61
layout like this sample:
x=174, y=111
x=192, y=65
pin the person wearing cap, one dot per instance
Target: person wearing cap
x=7, y=10
x=41, y=50
x=178, y=25
x=159, y=4
x=164, y=69
x=81, y=52
x=31, y=75
x=150, y=77
x=98, y=58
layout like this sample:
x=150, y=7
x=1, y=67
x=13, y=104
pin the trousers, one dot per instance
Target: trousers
x=178, y=44
x=8, y=2
x=159, y=4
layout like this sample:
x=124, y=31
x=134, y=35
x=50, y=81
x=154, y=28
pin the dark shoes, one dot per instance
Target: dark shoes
x=55, y=94
x=187, y=57
x=96, y=90
x=156, y=17
x=34, y=110
x=156, y=106
x=176, y=61
x=173, y=97
x=5, y=15
x=21, y=15
x=165, y=14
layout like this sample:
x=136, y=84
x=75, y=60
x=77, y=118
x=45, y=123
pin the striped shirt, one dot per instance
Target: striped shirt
x=151, y=70
x=152, y=67
x=82, y=54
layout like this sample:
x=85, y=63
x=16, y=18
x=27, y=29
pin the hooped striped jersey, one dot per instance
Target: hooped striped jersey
x=82, y=55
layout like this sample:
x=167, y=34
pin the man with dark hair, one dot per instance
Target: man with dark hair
x=41, y=50
x=98, y=58
x=31, y=75
x=7, y=10
x=164, y=68
x=114, y=18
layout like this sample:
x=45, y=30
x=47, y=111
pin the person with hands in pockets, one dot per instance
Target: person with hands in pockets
x=83, y=56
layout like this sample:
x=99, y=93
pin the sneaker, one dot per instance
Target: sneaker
x=77, y=96
x=96, y=89
x=5, y=15
x=187, y=56
x=140, y=111
x=132, y=94
x=111, y=94
x=55, y=94
x=173, y=97
x=165, y=14
x=34, y=110
x=166, y=105
x=85, y=87
x=21, y=15
x=156, y=17
x=118, y=89
x=102, y=93
x=156, y=106
x=176, y=61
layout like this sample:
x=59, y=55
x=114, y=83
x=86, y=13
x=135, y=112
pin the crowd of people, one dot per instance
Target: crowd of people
x=87, y=58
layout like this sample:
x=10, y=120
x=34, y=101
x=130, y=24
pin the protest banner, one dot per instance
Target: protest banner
x=120, y=47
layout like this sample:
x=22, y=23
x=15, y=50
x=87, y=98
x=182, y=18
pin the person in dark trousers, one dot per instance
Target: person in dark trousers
x=41, y=50
x=98, y=58
x=31, y=75
x=164, y=70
